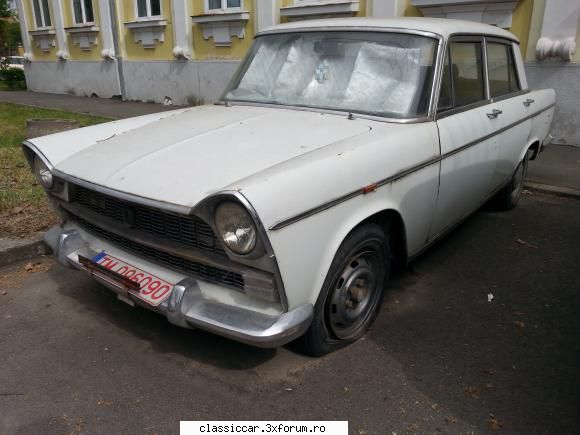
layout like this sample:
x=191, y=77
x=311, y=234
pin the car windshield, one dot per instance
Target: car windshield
x=384, y=74
x=16, y=61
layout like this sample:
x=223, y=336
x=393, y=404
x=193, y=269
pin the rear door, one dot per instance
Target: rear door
x=467, y=129
x=515, y=106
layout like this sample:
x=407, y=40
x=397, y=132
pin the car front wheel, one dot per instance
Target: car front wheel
x=352, y=293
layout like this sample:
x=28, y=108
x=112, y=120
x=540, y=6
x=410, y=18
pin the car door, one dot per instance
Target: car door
x=468, y=128
x=513, y=103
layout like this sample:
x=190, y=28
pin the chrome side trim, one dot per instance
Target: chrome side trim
x=462, y=109
x=365, y=29
x=487, y=35
x=173, y=208
x=345, y=113
x=510, y=95
x=334, y=202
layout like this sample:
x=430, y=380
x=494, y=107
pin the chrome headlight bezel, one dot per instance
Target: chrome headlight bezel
x=42, y=173
x=235, y=227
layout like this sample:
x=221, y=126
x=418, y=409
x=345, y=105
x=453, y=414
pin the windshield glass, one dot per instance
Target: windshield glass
x=384, y=74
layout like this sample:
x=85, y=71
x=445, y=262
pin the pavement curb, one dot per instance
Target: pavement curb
x=23, y=250
x=566, y=192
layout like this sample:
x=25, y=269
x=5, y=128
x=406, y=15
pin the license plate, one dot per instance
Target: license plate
x=153, y=290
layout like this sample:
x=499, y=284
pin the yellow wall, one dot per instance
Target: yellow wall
x=134, y=50
x=412, y=11
x=75, y=52
x=36, y=51
x=521, y=19
x=205, y=49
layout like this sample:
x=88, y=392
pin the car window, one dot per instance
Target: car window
x=501, y=70
x=514, y=81
x=467, y=73
x=376, y=73
x=445, y=95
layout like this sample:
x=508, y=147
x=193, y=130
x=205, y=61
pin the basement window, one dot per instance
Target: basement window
x=41, y=13
x=83, y=11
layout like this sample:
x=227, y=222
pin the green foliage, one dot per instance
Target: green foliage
x=14, y=78
x=5, y=9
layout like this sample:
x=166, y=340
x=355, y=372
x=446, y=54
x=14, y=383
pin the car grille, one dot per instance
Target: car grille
x=187, y=230
x=204, y=272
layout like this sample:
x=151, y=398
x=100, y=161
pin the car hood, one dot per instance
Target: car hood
x=183, y=156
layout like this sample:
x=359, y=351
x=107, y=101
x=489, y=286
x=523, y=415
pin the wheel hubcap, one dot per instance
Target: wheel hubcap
x=354, y=296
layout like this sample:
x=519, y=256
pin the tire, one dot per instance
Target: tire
x=352, y=293
x=509, y=197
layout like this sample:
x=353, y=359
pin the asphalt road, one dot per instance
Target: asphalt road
x=440, y=357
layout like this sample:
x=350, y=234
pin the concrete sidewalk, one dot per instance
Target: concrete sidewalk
x=557, y=171
x=104, y=107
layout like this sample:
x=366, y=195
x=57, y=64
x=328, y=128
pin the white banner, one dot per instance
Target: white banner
x=264, y=427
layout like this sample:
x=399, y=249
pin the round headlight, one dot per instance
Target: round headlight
x=235, y=227
x=42, y=173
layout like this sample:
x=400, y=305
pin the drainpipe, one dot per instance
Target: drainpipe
x=117, y=48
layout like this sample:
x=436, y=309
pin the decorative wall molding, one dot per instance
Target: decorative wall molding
x=494, y=12
x=148, y=31
x=222, y=26
x=320, y=8
x=266, y=14
x=107, y=40
x=26, y=43
x=180, y=10
x=58, y=21
x=45, y=39
x=386, y=8
x=86, y=37
x=559, y=28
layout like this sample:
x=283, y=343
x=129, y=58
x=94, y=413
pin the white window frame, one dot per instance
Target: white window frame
x=83, y=12
x=42, y=18
x=224, y=7
x=148, y=6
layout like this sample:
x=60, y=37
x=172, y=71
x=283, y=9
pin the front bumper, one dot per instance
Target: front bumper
x=188, y=308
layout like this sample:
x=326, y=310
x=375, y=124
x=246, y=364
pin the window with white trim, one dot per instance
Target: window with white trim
x=41, y=13
x=83, y=11
x=148, y=8
x=223, y=5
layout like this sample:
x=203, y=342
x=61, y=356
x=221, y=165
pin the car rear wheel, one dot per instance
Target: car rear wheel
x=509, y=196
x=352, y=293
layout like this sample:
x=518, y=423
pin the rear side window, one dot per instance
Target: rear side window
x=467, y=73
x=501, y=69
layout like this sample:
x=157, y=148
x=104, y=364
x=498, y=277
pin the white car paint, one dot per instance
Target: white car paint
x=286, y=161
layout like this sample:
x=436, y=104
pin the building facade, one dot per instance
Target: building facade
x=185, y=51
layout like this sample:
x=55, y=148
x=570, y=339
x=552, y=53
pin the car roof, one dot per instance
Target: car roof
x=440, y=26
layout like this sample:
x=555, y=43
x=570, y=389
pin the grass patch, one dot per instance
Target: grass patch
x=22, y=200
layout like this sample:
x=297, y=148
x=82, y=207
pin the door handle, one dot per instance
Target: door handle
x=494, y=113
x=528, y=102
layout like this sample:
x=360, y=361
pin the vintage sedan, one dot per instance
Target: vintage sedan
x=340, y=147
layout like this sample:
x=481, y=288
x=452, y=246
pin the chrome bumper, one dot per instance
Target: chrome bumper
x=187, y=308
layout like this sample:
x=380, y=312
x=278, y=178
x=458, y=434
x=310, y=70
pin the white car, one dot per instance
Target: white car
x=340, y=147
x=16, y=62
